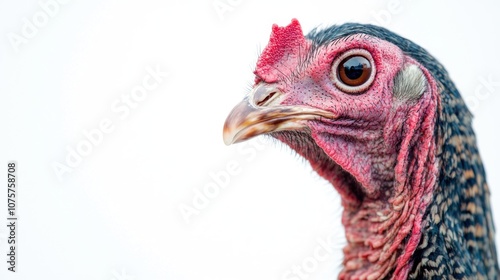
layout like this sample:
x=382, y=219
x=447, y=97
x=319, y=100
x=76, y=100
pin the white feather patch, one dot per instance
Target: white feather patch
x=410, y=83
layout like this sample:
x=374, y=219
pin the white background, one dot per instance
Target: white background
x=116, y=215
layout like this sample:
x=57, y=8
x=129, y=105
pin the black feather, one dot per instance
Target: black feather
x=459, y=242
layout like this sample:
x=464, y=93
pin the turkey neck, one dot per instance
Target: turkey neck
x=383, y=229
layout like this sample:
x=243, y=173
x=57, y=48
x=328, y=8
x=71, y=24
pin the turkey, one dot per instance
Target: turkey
x=379, y=118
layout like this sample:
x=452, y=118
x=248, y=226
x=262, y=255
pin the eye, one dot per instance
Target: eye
x=353, y=71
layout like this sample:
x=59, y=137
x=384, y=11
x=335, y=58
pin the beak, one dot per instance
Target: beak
x=260, y=112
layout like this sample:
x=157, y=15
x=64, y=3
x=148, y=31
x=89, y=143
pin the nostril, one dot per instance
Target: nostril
x=265, y=94
x=266, y=99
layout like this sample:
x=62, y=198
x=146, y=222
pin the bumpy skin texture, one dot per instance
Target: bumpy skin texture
x=457, y=240
x=401, y=152
x=413, y=188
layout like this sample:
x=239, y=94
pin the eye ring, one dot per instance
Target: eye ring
x=356, y=79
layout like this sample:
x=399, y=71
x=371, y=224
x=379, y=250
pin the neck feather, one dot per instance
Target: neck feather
x=384, y=231
x=458, y=236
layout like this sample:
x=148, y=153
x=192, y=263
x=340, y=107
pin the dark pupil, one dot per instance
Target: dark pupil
x=353, y=67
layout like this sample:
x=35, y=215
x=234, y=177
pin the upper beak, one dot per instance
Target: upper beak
x=260, y=112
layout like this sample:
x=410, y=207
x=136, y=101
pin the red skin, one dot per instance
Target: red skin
x=387, y=145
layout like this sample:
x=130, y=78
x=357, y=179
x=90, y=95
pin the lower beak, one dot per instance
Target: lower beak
x=248, y=120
